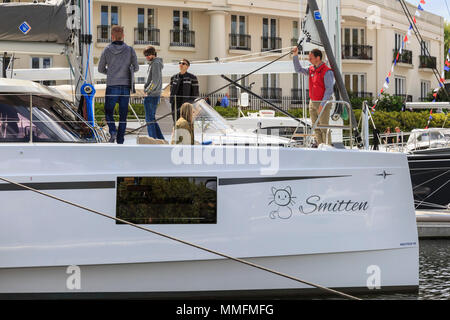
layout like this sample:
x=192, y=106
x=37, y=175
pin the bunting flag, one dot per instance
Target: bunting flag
x=400, y=50
x=429, y=119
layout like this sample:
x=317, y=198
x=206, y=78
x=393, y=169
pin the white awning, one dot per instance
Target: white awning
x=428, y=105
x=200, y=69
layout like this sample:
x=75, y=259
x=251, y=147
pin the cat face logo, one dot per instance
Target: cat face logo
x=283, y=199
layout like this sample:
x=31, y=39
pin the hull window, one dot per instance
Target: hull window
x=167, y=200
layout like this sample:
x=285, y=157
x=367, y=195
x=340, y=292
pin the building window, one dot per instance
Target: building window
x=295, y=33
x=104, y=18
x=181, y=20
x=299, y=82
x=239, y=39
x=109, y=16
x=151, y=18
x=235, y=90
x=270, y=39
x=355, y=83
x=4, y=64
x=238, y=24
x=425, y=48
x=270, y=89
x=299, y=88
x=354, y=36
x=107, y=12
x=400, y=86
x=181, y=34
x=398, y=41
x=295, y=30
x=270, y=80
x=146, y=20
x=270, y=28
x=114, y=16
x=146, y=32
x=167, y=200
x=43, y=63
x=424, y=89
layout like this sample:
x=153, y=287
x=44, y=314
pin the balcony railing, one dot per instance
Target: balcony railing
x=427, y=62
x=271, y=43
x=182, y=38
x=240, y=42
x=146, y=36
x=273, y=94
x=297, y=96
x=404, y=57
x=104, y=33
x=357, y=52
x=405, y=97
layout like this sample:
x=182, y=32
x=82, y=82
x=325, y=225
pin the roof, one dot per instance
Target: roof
x=28, y=87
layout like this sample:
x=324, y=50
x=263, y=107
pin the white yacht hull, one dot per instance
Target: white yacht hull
x=351, y=221
x=217, y=278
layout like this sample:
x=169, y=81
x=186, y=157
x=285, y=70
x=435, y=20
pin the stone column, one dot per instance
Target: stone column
x=217, y=44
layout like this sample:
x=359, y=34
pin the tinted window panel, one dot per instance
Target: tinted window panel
x=167, y=200
x=53, y=121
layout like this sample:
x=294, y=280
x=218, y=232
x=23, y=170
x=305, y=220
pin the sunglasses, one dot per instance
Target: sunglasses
x=183, y=63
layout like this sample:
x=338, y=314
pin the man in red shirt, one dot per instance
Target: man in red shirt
x=321, y=83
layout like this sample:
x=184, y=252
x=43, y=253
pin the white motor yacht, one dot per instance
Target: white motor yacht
x=339, y=218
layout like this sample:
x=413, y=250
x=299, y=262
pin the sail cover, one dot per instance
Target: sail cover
x=310, y=30
x=34, y=22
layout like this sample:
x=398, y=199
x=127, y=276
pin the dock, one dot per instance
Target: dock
x=433, y=224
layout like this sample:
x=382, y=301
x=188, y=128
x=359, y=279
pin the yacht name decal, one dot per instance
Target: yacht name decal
x=285, y=204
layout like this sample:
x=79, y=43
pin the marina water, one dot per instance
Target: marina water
x=434, y=273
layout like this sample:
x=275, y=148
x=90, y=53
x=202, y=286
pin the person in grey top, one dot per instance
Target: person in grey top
x=119, y=62
x=152, y=88
x=321, y=84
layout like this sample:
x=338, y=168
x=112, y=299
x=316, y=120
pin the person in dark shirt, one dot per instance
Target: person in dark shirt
x=183, y=88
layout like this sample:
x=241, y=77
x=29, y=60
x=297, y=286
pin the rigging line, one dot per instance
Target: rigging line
x=431, y=204
x=448, y=9
x=431, y=179
x=257, y=58
x=246, y=75
x=420, y=40
x=183, y=241
x=434, y=192
x=259, y=54
x=264, y=100
x=418, y=35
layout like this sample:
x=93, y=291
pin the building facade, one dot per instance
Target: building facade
x=201, y=30
x=372, y=33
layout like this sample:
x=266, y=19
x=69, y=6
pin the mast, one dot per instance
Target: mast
x=317, y=18
x=80, y=57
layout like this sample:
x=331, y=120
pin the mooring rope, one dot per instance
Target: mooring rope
x=184, y=242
